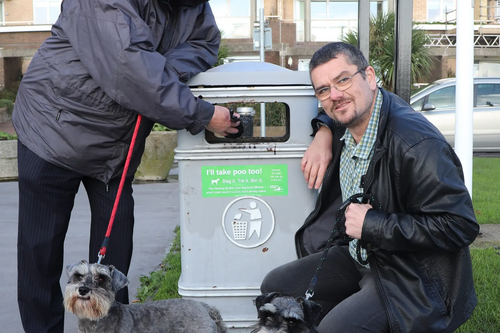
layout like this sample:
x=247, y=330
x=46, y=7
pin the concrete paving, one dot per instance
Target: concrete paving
x=489, y=236
x=156, y=213
x=7, y=127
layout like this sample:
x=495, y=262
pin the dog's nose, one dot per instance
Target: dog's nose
x=83, y=291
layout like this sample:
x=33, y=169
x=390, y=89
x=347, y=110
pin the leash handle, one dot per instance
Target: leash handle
x=102, y=251
x=340, y=211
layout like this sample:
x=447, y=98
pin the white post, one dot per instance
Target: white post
x=262, y=35
x=262, y=59
x=464, y=97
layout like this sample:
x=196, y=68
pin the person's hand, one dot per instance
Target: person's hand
x=221, y=122
x=354, y=219
x=317, y=158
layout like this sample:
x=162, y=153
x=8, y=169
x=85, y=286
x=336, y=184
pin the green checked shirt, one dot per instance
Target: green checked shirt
x=354, y=162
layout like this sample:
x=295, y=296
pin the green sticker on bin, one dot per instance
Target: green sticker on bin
x=234, y=181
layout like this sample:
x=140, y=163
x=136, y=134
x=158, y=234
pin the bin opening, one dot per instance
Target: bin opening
x=276, y=122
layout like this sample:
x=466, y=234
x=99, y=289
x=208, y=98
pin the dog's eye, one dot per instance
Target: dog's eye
x=291, y=322
x=102, y=279
x=77, y=276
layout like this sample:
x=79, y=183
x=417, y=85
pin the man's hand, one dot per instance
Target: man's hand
x=354, y=219
x=221, y=122
x=317, y=158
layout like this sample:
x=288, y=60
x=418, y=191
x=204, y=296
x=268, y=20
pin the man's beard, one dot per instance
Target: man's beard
x=353, y=120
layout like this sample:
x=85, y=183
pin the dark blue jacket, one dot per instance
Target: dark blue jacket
x=421, y=226
x=105, y=62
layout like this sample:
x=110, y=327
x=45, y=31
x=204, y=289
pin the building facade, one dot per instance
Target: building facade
x=297, y=27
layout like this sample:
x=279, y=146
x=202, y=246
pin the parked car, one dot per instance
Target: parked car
x=437, y=103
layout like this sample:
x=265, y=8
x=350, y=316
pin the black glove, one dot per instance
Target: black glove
x=240, y=127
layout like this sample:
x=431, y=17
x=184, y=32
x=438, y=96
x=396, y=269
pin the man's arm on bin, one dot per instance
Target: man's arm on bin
x=319, y=153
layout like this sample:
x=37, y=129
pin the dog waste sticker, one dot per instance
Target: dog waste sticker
x=248, y=222
x=235, y=181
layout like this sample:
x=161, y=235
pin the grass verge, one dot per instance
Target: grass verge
x=485, y=171
x=162, y=283
x=486, y=317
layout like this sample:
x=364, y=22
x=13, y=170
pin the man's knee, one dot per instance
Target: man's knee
x=269, y=282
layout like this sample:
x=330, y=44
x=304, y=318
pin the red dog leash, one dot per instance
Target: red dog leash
x=102, y=251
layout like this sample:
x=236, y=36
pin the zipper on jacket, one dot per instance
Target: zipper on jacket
x=107, y=187
x=58, y=115
x=383, y=296
x=172, y=17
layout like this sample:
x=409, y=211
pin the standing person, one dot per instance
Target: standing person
x=405, y=266
x=105, y=63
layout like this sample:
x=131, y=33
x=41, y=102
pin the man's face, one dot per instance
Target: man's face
x=352, y=106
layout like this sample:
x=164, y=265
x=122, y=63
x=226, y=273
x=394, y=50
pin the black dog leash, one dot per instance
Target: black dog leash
x=338, y=227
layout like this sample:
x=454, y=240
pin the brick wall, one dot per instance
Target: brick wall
x=18, y=11
x=18, y=39
x=287, y=31
x=420, y=10
x=18, y=45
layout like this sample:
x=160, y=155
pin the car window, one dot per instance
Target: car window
x=443, y=98
x=417, y=105
x=423, y=89
x=488, y=94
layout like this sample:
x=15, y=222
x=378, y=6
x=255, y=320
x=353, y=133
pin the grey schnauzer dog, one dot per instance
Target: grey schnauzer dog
x=285, y=314
x=90, y=294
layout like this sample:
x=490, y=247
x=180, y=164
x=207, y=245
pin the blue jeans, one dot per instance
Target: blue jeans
x=345, y=290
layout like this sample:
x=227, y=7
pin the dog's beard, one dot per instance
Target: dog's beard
x=93, y=307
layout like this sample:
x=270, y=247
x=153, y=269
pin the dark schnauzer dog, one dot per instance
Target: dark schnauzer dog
x=90, y=294
x=285, y=314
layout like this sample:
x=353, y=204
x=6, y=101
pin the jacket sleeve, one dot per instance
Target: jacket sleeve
x=436, y=212
x=118, y=48
x=322, y=117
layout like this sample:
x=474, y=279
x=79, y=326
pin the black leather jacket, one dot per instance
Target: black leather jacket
x=420, y=228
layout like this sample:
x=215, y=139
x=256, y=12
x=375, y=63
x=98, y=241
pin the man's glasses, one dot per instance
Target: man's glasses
x=341, y=85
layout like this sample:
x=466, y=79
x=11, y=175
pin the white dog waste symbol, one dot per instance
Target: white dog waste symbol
x=248, y=222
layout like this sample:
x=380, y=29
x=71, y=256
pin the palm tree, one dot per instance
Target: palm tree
x=223, y=52
x=382, y=50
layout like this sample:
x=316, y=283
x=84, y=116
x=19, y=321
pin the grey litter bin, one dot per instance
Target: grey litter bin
x=242, y=200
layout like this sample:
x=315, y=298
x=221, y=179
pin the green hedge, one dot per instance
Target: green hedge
x=7, y=136
x=7, y=103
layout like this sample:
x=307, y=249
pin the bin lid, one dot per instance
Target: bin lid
x=249, y=73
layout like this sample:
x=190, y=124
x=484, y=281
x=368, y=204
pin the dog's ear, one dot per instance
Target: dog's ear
x=119, y=280
x=312, y=311
x=70, y=269
x=265, y=298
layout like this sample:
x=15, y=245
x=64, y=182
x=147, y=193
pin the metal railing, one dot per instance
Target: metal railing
x=450, y=40
x=488, y=17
